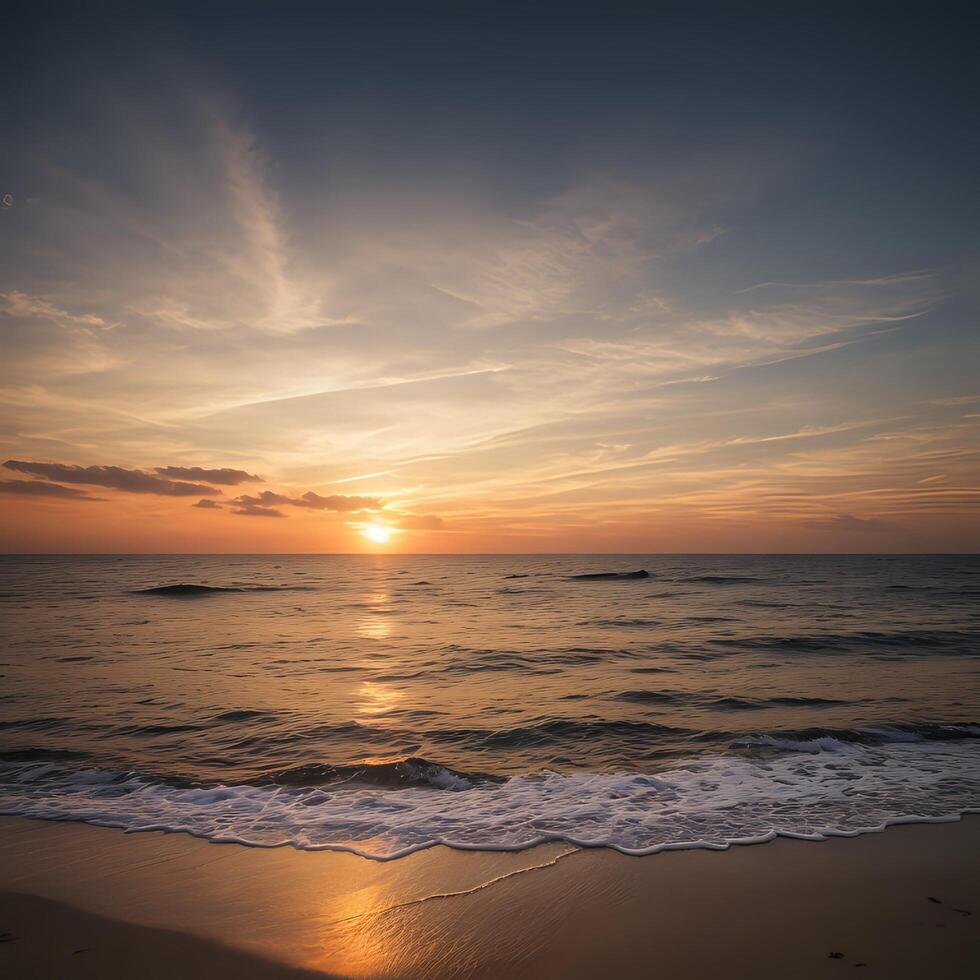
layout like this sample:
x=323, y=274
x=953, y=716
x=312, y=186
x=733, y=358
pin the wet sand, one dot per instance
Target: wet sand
x=43, y=939
x=905, y=903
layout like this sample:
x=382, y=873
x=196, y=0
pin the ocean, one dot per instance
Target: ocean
x=383, y=703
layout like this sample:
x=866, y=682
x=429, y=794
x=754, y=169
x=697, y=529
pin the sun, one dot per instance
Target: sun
x=378, y=533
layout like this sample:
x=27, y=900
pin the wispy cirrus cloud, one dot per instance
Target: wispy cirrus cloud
x=598, y=355
x=18, y=304
x=848, y=523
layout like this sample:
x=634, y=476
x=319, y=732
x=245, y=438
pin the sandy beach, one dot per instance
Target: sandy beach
x=90, y=902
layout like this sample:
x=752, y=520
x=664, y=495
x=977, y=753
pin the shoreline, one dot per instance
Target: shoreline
x=903, y=902
x=531, y=845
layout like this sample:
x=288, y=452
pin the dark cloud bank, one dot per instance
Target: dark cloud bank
x=223, y=477
x=112, y=477
x=265, y=503
x=34, y=488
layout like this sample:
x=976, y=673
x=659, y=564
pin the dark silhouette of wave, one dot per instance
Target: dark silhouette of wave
x=399, y=774
x=872, y=643
x=723, y=702
x=610, y=576
x=188, y=590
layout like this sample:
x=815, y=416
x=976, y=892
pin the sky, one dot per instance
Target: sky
x=481, y=277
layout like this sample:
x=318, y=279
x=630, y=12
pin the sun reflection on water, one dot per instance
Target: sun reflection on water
x=375, y=625
x=377, y=699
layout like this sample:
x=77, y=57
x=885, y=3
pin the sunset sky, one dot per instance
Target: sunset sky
x=481, y=278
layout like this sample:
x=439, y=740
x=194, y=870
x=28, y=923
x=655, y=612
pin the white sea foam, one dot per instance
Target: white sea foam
x=712, y=802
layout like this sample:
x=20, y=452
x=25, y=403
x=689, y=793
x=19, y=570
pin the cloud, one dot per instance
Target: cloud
x=247, y=507
x=31, y=488
x=848, y=522
x=225, y=477
x=113, y=477
x=207, y=505
x=526, y=366
x=956, y=400
x=311, y=500
x=43, y=337
x=337, y=502
x=420, y=522
x=265, y=499
x=18, y=304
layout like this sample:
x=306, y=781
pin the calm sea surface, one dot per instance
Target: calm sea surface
x=384, y=703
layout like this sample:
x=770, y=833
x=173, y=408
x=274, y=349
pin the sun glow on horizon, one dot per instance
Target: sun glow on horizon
x=378, y=533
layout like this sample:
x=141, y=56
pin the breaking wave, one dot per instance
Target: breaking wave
x=802, y=785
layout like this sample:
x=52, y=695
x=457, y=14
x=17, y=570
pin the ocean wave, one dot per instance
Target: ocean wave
x=891, y=643
x=42, y=724
x=815, y=740
x=710, y=802
x=522, y=662
x=719, y=702
x=240, y=714
x=561, y=731
x=611, y=576
x=41, y=755
x=623, y=622
x=653, y=697
x=398, y=774
x=187, y=590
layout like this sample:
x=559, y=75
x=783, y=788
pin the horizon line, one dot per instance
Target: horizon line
x=489, y=554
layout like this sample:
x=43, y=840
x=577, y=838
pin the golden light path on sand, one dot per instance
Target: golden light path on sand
x=772, y=911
